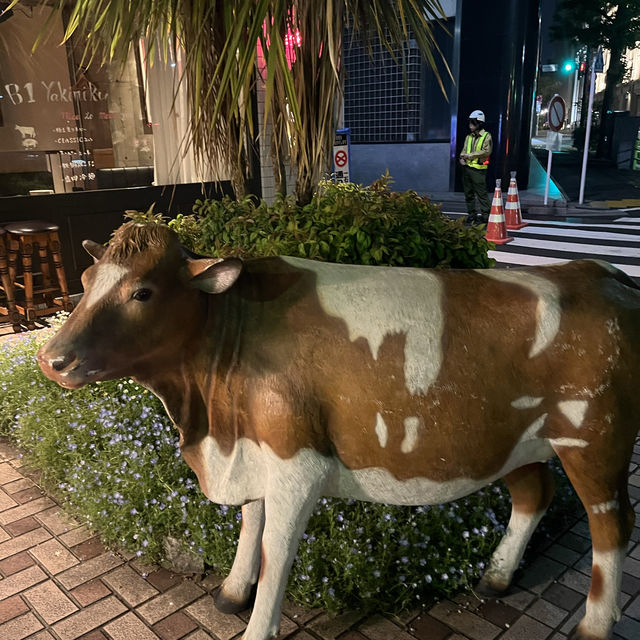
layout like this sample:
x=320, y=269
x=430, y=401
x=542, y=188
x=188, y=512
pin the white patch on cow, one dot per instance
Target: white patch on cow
x=532, y=430
x=375, y=303
x=411, y=426
x=568, y=442
x=381, y=431
x=506, y=558
x=526, y=402
x=107, y=277
x=602, y=613
x=605, y=507
x=574, y=411
x=548, y=310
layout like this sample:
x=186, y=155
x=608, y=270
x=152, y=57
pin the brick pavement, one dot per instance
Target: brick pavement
x=57, y=582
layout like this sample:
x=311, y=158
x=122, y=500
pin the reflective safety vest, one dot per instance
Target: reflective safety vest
x=476, y=163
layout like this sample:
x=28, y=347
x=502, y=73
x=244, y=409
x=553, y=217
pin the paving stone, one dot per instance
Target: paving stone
x=547, y=613
x=22, y=526
x=563, y=554
x=297, y=613
x=11, y=608
x=163, y=580
x=94, y=635
x=498, y=613
x=132, y=588
x=526, y=628
x=627, y=628
x=8, y=473
x=356, y=635
x=50, y=603
x=18, y=485
x=633, y=610
x=16, y=563
x=576, y=581
x=175, y=626
x=76, y=536
x=6, y=501
x=88, y=619
x=518, y=598
x=425, y=627
x=584, y=564
x=576, y=542
x=577, y=615
x=128, y=627
x=88, y=570
x=199, y=635
x=167, y=603
x=212, y=581
x=330, y=627
x=31, y=508
x=57, y=521
x=540, y=574
x=4, y=535
x=90, y=592
x=379, y=628
x=563, y=597
x=632, y=567
x=20, y=628
x=463, y=621
x=20, y=581
x=23, y=542
x=630, y=584
x=89, y=549
x=27, y=495
x=221, y=625
x=43, y=635
x=54, y=556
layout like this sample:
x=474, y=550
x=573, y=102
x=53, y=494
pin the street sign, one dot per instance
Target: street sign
x=599, y=63
x=342, y=156
x=557, y=111
x=549, y=68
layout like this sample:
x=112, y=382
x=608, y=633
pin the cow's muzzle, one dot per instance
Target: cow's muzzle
x=66, y=369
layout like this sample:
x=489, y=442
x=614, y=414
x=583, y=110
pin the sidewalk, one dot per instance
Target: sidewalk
x=59, y=582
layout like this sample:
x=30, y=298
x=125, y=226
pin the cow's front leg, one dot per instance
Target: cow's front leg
x=236, y=592
x=288, y=504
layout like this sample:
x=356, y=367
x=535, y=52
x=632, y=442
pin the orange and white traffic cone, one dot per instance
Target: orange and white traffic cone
x=497, y=229
x=513, y=214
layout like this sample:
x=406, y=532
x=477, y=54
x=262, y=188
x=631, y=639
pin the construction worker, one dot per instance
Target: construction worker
x=475, y=159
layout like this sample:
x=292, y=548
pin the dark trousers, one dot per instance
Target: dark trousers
x=474, y=183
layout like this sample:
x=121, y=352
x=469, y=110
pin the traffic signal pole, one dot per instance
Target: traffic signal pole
x=587, y=133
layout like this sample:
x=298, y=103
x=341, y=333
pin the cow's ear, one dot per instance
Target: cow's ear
x=214, y=275
x=95, y=250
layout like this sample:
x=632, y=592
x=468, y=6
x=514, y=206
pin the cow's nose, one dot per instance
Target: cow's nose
x=59, y=363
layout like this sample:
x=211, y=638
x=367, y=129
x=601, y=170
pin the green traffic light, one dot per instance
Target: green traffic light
x=568, y=66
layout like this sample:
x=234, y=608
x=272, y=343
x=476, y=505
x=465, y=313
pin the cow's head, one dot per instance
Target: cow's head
x=144, y=301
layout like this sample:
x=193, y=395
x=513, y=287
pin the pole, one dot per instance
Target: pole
x=546, y=186
x=574, y=99
x=587, y=133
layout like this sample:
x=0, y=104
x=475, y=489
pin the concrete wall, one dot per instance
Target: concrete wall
x=417, y=166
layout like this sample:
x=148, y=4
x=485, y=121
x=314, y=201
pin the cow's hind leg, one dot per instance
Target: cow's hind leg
x=601, y=483
x=238, y=589
x=531, y=488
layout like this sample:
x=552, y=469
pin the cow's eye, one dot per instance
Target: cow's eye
x=142, y=295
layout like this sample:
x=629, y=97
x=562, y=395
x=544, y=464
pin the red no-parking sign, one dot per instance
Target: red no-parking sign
x=341, y=153
x=556, y=113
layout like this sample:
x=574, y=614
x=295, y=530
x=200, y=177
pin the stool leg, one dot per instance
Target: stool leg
x=54, y=245
x=26, y=248
x=7, y=285
x=44, y=260
x=14, y=246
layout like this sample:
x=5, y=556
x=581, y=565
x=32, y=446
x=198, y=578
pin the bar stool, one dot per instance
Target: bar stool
x=6, y=286
x=38, y=300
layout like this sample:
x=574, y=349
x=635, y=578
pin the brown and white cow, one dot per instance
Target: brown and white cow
x=291, y=379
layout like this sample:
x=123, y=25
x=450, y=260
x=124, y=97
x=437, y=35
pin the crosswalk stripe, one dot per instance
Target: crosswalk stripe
x=576, y=247
x=578, y=233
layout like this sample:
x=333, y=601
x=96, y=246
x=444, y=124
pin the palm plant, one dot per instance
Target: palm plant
x=222, y=64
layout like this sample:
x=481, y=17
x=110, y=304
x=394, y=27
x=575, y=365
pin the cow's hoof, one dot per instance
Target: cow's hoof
x=488, y=589
x=224, y=604
x=577, y=634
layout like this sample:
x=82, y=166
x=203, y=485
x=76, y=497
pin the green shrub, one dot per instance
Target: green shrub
x=344, y=223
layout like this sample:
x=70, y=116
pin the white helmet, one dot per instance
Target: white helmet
x=477, y=115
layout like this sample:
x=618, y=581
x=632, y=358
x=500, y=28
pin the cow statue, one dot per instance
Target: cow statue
x=290, y=379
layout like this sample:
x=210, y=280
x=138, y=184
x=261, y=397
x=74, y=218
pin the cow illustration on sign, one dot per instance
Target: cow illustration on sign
x=28, y=136
x=290, y=379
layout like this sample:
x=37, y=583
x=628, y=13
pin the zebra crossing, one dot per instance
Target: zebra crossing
x=550, y=241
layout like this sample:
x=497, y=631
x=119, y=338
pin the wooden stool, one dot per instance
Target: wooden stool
x=7, y=286
x=38, y=301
